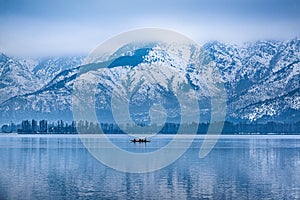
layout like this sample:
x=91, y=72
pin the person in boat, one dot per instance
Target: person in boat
x=140, y=140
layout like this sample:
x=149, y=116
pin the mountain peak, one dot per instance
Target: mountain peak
x=259, y=78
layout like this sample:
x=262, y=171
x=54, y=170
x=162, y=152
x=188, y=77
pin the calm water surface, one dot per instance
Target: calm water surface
x=239, y=167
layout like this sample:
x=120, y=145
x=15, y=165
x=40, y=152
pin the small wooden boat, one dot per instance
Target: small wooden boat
x=140, y=140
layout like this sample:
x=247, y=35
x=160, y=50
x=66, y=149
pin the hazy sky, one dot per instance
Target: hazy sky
x=54, y=27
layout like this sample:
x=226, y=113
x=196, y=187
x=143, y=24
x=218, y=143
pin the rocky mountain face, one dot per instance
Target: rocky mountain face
x=261, y=81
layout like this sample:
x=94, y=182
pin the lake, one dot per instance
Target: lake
x=238, y=167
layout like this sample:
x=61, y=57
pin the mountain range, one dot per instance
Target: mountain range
x=261, y=79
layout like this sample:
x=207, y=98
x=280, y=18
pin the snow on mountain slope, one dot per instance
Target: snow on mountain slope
x=48, y=68
x=20, y=76
x=262, y=81
x=259, y=72
x=16, y=78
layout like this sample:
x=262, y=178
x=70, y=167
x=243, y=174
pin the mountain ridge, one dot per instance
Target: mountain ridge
x=253, y=75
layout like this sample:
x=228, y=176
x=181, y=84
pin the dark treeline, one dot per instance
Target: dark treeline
x=255, y=128
x=45, y=127
x=61, y=127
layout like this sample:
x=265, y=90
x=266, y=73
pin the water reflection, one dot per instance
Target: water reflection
x=61, y=168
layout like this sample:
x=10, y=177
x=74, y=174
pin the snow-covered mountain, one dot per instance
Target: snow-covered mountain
x=16, y=78
x=19, y=76
x=262, y=81
x=47, y=68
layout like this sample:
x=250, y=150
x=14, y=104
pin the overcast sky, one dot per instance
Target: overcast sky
x=55, y=27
